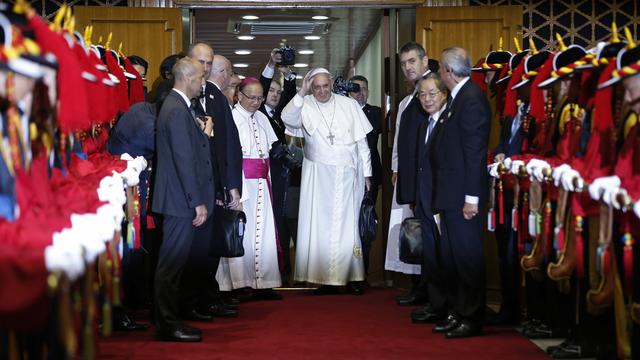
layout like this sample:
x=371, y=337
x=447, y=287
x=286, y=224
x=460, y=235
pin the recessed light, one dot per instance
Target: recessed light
x=312, y=37
x=251, y=17
x=305, y=52
x=320, y=17
x=241, y=77
x=300, y=65
x=243, y=52
x=246, y=37
x=299, y=77
x=241, y=65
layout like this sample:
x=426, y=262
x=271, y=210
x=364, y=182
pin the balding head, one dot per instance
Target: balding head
x=188, y=75
x=221, y=71
x=202, y=53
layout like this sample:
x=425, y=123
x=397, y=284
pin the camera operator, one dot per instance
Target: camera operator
x=281, y=161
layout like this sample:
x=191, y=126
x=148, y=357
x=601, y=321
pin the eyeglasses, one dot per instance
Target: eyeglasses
x=253, y=98
x=429, y=95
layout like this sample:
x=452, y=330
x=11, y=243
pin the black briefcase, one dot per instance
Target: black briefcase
x=411, y=241
x=368, y=220
x=228, y=232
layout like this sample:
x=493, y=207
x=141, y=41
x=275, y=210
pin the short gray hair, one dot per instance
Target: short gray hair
x=456, y=60
x=184, y=68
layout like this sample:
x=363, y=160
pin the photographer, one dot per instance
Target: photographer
x=281, y=160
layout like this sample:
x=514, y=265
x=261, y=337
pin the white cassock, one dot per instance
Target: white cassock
x=336, y=161
x=398, y=212
x=258, y=268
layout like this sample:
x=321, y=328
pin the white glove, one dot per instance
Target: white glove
x=493, y=170
x=567, y=179
x=65, y=256
x=601, y=184
x=515, y=166
x=557, y=173
x=507, y=163
x=535, y=168
x=636, y=208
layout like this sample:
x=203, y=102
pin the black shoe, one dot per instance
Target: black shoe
x=355, y=288
x=230, y=301
x=533, y=323
x=465, y=329
x=219, y=310
x=410, y=299
x=550, y=349
x=125, y=323
x=191, y=329
x=574, y=352
x=326, y=290
x=543, y=331
x=449, y=323
x=197, y=315
x=426, y=315
x=266, y=294
x=179, y=334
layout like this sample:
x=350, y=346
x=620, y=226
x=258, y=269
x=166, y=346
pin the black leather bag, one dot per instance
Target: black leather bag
x=411, y=241
x=228, y=232
x=368, y=220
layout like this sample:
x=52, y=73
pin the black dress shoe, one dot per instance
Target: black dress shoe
x=574, y=351
x=449, y=323
x=219, y=310
x=426, y=316
x=410, y=299
x=355, y=288
x=124, y=323
x=191, y=329
x=197, y=315
x=544, y=331
x=326, y=290
x=179, y=334
x=266, y=294
x=231, y=301
x=465, y=329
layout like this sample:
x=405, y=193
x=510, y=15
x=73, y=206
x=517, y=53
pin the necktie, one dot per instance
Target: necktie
x=192, y=110
x=449, y=100
x=515, y=125
x=430, y=126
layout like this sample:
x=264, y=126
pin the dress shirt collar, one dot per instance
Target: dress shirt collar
x=269, y=109
x=243, y=111
x=184, y=97
x=436, y=115
x=456, y=89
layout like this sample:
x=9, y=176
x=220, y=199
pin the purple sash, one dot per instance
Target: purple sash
x=259, y=169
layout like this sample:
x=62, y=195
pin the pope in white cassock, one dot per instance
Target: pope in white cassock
x=335, y=171
x=258, y=268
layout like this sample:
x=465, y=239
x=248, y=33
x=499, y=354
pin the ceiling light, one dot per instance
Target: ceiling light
x=299, y=77
x=241, y=77
x=246, y=37
x=250, y=17
x=243, y=52
x=312, y=37
x=300, y=65
x=241, y=65
x=305, y=52
x=320, y=17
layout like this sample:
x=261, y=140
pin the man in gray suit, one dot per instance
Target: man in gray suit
x=183, y=193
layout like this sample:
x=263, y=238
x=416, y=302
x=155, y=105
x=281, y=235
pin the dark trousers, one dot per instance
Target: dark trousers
x=279, y=187
x=178, y=234
x=198, y=288
x=432, y=278
x=463, y=259
x=366, y=246
x=507, y=243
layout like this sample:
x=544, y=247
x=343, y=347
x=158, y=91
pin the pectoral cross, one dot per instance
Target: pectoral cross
x=331, y=137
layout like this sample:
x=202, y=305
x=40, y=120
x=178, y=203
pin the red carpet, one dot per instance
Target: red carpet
x=303, y=326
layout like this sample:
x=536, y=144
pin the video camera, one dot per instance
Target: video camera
x=344, y=87
x=288, y=55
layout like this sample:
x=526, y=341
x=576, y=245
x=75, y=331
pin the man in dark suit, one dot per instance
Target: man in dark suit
x=202, y=299
x=183, y=193
x=374, y=114
x=276, y=96
x=460, y=184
